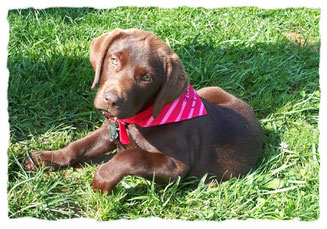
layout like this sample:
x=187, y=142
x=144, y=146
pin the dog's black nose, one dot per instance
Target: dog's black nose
x=112, y=99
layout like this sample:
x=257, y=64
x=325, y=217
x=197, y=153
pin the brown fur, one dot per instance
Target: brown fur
x=135, y=70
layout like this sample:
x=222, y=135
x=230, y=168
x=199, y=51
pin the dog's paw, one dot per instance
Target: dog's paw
x=102, y=183
x=101, y=186
x=32, y=161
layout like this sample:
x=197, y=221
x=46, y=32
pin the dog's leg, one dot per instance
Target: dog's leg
x=92, y=145
x=137, y=162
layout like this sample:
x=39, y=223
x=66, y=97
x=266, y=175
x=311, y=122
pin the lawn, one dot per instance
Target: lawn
x=269, y=58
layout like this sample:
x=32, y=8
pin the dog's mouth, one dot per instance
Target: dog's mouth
x=107, y=115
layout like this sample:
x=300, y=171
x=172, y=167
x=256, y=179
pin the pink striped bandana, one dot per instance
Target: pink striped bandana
x=187, y=106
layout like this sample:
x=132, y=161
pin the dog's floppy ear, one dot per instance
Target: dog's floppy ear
x=98, y=50
x=174, y=84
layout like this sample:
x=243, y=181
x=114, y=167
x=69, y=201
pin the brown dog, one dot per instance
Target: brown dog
x=137, y=71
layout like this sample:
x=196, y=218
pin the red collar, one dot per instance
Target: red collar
x=187, y=106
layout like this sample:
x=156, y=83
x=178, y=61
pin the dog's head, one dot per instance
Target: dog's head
x=135, y=69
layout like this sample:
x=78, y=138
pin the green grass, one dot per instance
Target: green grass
x=269, y=58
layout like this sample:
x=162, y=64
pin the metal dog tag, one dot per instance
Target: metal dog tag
x=113, y=131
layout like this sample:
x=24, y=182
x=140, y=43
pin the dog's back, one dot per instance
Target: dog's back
x=236, y=132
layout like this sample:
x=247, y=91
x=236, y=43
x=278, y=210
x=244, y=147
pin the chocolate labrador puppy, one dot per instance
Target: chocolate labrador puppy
x=157, y=122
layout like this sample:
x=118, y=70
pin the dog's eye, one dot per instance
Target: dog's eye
x=114, y=60
x=146, y=78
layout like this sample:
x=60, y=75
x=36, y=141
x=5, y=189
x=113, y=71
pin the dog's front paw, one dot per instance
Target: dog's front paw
x=103, y=181
x=101, y=185
x=35, y=160
x=32, y=161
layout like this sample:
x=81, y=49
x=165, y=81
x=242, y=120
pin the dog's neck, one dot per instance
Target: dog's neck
x=189, y=105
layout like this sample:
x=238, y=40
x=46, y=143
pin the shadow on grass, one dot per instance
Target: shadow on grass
x=52, y=92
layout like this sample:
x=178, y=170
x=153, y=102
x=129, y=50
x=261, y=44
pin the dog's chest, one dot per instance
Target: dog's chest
x=138, y=138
